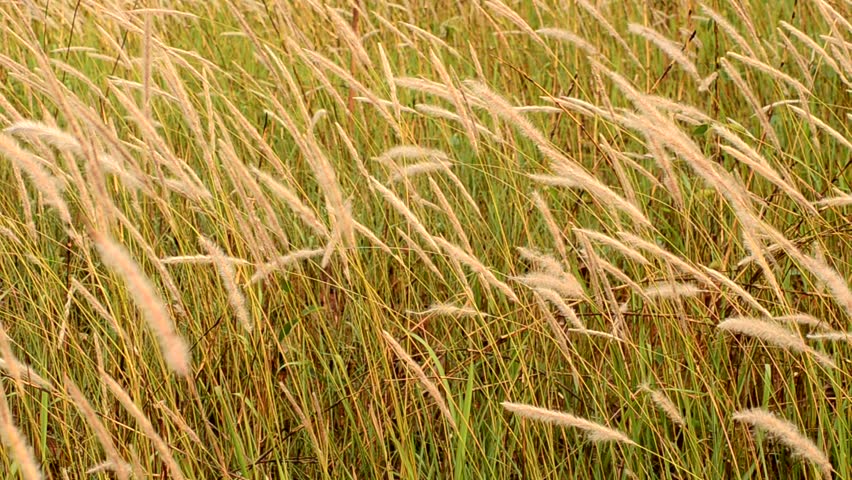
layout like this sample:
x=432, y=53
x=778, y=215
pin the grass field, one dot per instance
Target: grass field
x=426, y=239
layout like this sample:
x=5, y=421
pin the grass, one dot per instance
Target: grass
x=425, y=240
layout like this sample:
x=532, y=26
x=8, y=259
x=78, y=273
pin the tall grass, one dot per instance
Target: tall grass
x=382, y=239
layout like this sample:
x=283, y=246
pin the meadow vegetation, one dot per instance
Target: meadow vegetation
x=425, y=239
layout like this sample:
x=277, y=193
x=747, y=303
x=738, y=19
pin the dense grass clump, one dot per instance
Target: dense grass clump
x=366, y=239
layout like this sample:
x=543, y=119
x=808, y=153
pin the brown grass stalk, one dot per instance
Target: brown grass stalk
x=173, y=348
x=145, y=424
x=427, y=384
x=787, y=434
x=595, y=432
x=116, y=463
x=774, y=334
x=228, y=275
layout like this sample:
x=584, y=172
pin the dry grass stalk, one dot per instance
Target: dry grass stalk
x=652, y=123
x=614, y=243
x=229, y=281
x=564, y=284
x=353, y=152
x=753, y=241
x=375, y=240
x=305, y=213
x=350, y=37
x=595, y=333
x=179, y=421
x=458, y=100
x=53, y=136
x=601, y=19
x=98, y=307
x=147, y=428
x=815, y=47
x=176, y=297
x=619, y=274
x=841, y=200
x=555, y=232
x=408, y=171
x=418, y=250
x=14, y=367
x=427, y=384
x=464, y=193
x=16, y=443
x=478, y=267
x=538, y=109
x=562, y=307
x=665, y=404
x=803, y=319
x=436, y=41
x=325, y=176
x=570, y=37
x=787, y=434
x=461, y=277
x=283, y=262
x=774, y=334
x=588, y=109
x=667, y=290
x=632, y=163
x=602, y=288
x=384, y=103
x=827, y=275
x=438, y=112
x=388, y=73
x=409, y=152
x=315, y=59
x=748, y=156
x=47, y=184
x=10, y=235
x=831, y=336
x=752, y=100
x=595, y=432
x=247, y=190
x=448, y=310
x=804, y=64
x=571, y=175
x=800, y=88
x=670, y=48
x=307, y=424
x=746, y=19
x=201, y=260
x=18, y=370
x=249, y=132
x=736, y=288
x=432, y=88
x=542, y=261
x=320, y=75
x=454, y=220
x=841, y=139
x=406, y=212
x=498, y=105
x=704, y=86
x=173, y=348
x=664, y=161
x=173, y=79
x=114, y=460
x=619, y=161
x=665, y=255
x=561, y=337
x=835, y=21
x=161, y=152
x=729, y=29
x=146, y=66
x=506, y=12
